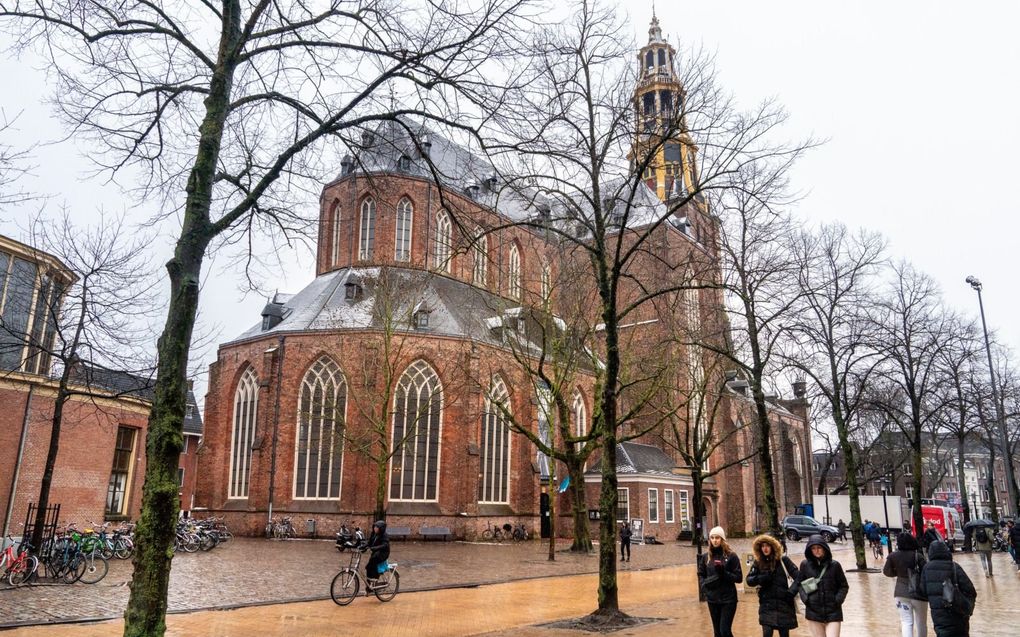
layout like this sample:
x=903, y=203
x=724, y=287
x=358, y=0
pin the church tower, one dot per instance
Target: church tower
x=661, y=138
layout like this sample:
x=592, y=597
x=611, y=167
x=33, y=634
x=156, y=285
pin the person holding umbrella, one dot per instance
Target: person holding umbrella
x=983, y=545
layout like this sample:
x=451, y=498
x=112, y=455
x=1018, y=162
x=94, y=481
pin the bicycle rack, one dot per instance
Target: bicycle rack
x=49, y=524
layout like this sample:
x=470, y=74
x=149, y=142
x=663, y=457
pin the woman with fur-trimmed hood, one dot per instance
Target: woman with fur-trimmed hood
x=776, y=593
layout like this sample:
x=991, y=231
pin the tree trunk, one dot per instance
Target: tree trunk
x=768, y=481
x=918, y=515
x=51, y=460
x=608, y=593
x=963, y=486
x=380, y=487
x=582, y=535
x=145, y=615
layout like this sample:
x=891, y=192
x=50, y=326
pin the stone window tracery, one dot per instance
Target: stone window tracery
x=405, y=216
x=318, y=452
x=417, y=431
x=246, y=402
x=495, y=482
x=367, y=236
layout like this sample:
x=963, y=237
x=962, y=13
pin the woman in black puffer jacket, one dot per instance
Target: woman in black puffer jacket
x=776, y=608
x=940, y=567
x=910, y=605
x=718, y=574
x=823, y=609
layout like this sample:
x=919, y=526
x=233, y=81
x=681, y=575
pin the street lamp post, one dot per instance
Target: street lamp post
x=1004, y=440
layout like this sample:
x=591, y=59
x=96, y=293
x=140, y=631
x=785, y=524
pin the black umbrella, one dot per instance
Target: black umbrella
x=974, y=524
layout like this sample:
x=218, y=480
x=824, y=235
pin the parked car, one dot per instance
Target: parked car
x=798, y=526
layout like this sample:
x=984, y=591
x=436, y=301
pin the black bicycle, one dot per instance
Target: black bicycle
x=347, y=583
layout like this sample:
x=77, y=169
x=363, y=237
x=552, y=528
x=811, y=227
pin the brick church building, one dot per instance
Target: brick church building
x=400, y=343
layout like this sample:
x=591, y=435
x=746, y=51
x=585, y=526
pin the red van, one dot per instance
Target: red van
x=943, y=520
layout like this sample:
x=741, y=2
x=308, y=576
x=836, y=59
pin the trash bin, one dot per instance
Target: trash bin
x=310, y=527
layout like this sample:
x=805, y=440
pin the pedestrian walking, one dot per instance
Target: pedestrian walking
x=931, y=535
x=906, y=564
x=379, y=544
x=984, y=548
x=777, y=611
x=718, y=575
x=625, y=535
x=940, y=574
x=1013, y=534
x=823, y=589
x=841, y=527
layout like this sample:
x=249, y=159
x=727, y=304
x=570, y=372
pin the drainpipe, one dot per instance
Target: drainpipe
x=17, y=464
x=276, y=425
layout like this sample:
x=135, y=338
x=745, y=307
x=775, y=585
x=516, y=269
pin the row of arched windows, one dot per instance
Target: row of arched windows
x=442, y=248
x=416, y=442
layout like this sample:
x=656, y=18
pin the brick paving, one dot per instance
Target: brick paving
x=249, y=571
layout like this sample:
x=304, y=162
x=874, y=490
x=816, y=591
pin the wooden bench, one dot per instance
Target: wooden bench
x=441, y=532
x=398, y=532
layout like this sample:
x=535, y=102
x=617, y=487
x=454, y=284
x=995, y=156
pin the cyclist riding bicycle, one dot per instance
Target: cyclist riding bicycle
x=379, y=544
x=875, y=538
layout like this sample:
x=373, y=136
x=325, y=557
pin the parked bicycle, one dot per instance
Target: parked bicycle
x=520, y=533
x=281, y=530
x=347, y=583
x=19, y=566
x=497, y=533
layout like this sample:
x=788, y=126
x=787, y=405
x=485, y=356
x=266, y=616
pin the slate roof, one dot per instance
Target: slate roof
x=115, y=381
x=634, y=458
x=460, y=169
x=455, y=308
x=193, y=424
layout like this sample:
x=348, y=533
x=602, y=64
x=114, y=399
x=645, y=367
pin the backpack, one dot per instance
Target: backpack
x=981, y=535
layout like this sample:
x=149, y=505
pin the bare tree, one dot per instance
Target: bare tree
x=830, y=336
x=913, y=328
x=92, y=317
x=223, y=107
x=13, y=165
x=577, y=136
x=760, y=279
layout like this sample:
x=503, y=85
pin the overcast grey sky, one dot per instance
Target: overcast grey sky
x=918, y=102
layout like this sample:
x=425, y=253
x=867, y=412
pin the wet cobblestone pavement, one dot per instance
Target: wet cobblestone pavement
x=256, y=571
x=249, y=571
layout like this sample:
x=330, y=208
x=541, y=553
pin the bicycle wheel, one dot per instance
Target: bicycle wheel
x=388, y=591
x=123, y=549
x=22, y=571
x=519, y=535
x=487, y=535
x=345, y=587
x=74, y=569
x=96, y=569
x=189, y=543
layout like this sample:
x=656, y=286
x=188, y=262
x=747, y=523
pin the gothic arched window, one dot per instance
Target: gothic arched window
x=546, y=282
x=481, y=261
x=514, y=273
x=444, y=241
x=580, y=416
x=367, y=241
x=495, y=484
x=336, y=234
x=417, y=429
x=242, y=436
x=319, y=451
x=405, y=215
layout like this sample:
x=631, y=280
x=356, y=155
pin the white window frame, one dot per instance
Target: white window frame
x=495, y=454
x=403, y=234
x=242, y=436
x=444, y=242
x=480, y=266
x=403, y=462
x=684, y=500
x=320, y=375
x=336, y=234
x=619, y=492
x=514, y=273
x=653, y=513
x=366, y=236
x=668, y=505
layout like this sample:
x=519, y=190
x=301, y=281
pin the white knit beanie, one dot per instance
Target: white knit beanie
x=717, y=530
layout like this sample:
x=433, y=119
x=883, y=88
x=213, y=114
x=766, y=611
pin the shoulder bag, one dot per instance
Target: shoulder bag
x=810, y=585
x=953, y=597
